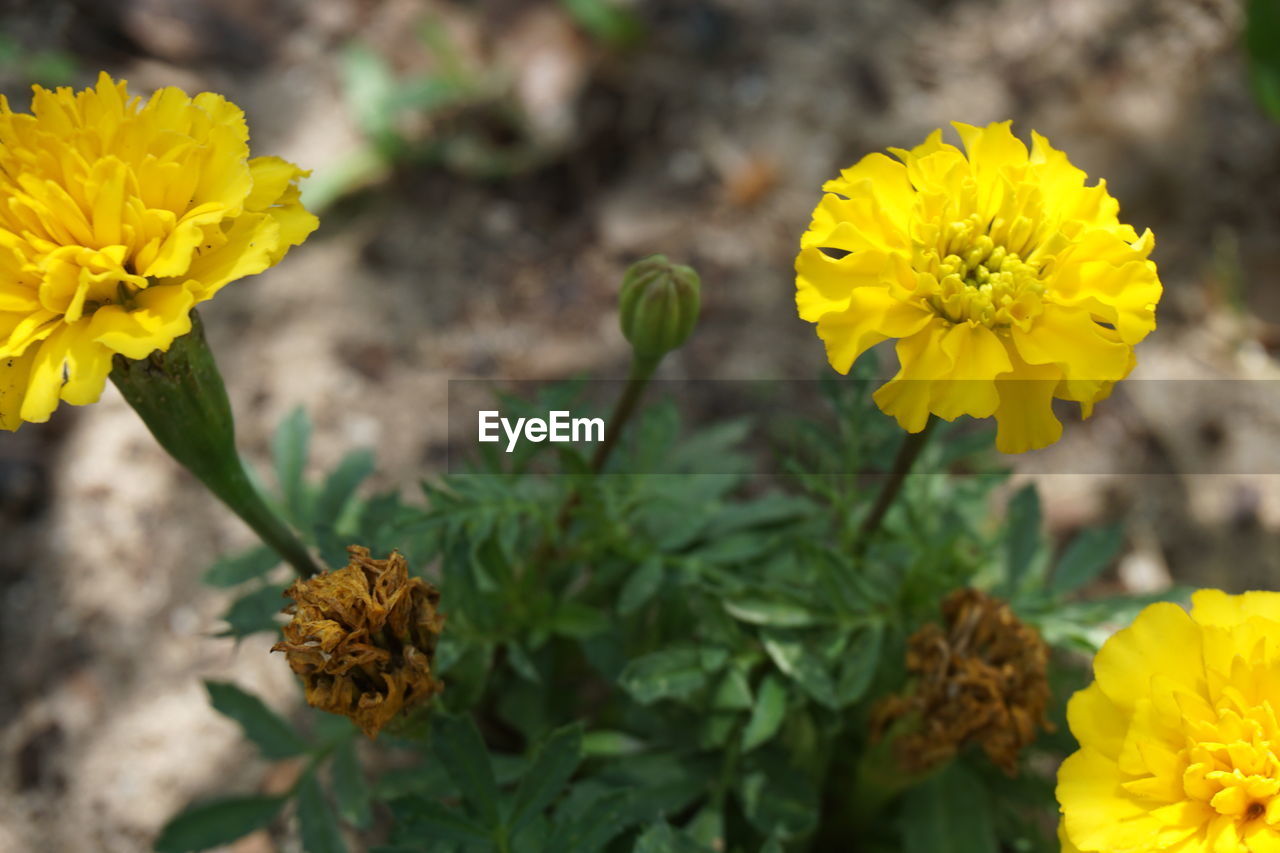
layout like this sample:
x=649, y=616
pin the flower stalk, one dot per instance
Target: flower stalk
x=903, y=462
x=180, y=396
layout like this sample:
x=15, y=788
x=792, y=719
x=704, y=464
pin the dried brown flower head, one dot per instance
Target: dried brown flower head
x=980, y=680
x=363, y=639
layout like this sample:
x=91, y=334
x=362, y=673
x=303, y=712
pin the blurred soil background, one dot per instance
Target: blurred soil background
x=484, y=171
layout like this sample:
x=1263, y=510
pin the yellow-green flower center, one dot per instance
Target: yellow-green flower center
x=981, y=280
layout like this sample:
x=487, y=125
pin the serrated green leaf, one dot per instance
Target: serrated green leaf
x=255, y=611
x=238, y=568
x=215, y=822
x=1091, y=551
x=274, y=737
x=670, y=673
x=780, y=801
x=289, y=450
x=641, y=586
x=522, y=663
x=551, y=770
x=661, y=838
x=419, y=817
x=949, y=812
x=577, y=620
x=319, y=831
x=457, y=744
x=349, y=786
x=760, y=611
x=342, y=483
x=859, y=665
x=733, y=693
x=767, y=714
x=1023, y=522
x=796, y=660
x=603, y=743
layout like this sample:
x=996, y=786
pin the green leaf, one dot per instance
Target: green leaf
x=289, y=447
x=522, y=663
x=274, y=737
x=552, y=768
x=733, y=693
x=661, y=838
x=641, y=586
x=795, y=659
x=671, y=673
x=349, y=786
x=238, y=568
x=1024, y=536
x=418, y=817
x=340, y=485
x=859, y=665
x=1091, y=551
x=604, y=743
x=780, y=801
x=320, y=833
x=780, y=614
x=604, y=20
x=1262, y=40
x=255, y=611
x=949, y=812
x=457, y=744
x=215, y=822
x=768, y=713
x=577, y=620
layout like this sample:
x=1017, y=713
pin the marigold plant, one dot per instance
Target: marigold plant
x=116, y=218
x=1178, y=733
x=1006, y=281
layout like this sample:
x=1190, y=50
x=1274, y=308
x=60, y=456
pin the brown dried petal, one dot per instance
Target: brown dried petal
x=363, y=639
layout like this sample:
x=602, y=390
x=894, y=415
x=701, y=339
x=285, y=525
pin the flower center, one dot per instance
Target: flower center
x=984, y=282
x=1232, y=765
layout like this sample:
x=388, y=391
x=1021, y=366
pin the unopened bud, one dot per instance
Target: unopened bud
x=659, y=305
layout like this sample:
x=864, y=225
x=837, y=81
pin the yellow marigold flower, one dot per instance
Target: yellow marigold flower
x=1006, y=281
x=363, y=639
x=116, y=218
x=1179, y=735
x=980, y=679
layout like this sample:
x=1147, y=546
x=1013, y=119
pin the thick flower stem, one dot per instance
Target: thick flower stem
x=180, y=397
x=908, y=452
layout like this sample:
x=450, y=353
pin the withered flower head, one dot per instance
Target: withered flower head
x=363, y=639
x=981, y=680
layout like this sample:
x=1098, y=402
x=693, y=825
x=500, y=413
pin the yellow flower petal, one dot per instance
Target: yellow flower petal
x=870, y=315
x=15, y=376
x=158, y=315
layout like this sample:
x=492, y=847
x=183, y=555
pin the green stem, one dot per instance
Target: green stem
x=908, y=453
x=180, y=396
x=641, y=371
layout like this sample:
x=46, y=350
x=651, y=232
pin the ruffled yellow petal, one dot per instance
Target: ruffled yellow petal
x=870, y=315
x=1213, y=607
x=156, y=317
x=15, y=376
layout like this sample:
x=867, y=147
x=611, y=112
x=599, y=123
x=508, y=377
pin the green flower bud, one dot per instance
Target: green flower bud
x=659, y=305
